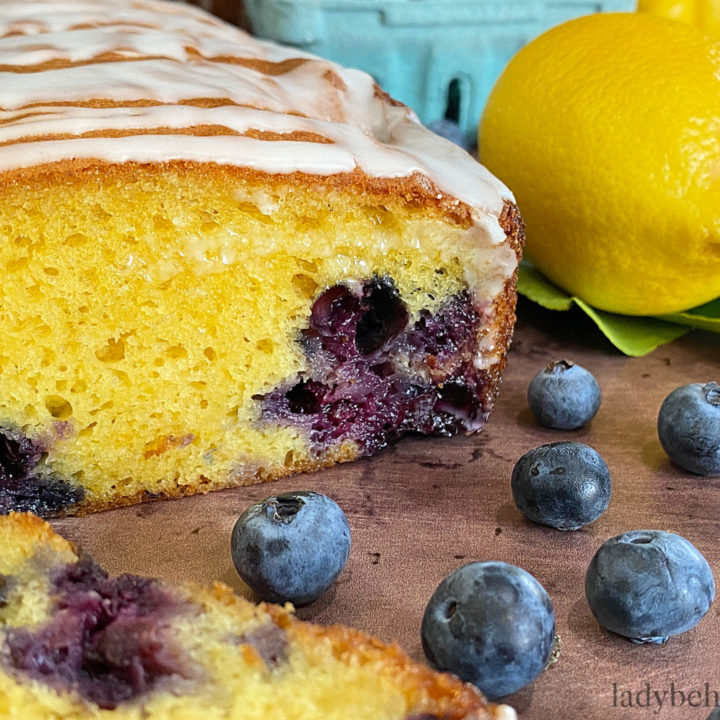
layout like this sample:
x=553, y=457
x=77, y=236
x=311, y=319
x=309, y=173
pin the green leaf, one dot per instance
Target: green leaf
x=534, y=285
x=634, y=336
x=703, y=317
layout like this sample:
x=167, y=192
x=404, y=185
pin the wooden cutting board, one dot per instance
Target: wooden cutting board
x=424, y=507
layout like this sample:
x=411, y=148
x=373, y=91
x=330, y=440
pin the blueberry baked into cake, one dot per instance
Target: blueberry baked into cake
x=76, y=643
x=225, y=261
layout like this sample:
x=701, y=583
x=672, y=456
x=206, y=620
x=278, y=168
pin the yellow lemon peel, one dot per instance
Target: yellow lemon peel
x=705, y=14
x=607, y=129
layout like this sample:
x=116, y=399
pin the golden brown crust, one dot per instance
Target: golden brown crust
x=440, y=694
x=347, y=452
x=26, y=530
x=512, y=223
x=265, y=67
x=196, y=130
x=503, y=310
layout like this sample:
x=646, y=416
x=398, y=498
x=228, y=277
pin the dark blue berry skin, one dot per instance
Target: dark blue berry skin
x=565, y=485
x=491, y=624
x=689, y=427
x=649, y=584
x=291, y=547
x=714, y=714
x=564, y=396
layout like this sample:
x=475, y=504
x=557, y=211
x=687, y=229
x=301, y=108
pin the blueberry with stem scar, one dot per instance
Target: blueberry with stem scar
x=647, y=585
x=291, y=547
x=564, y=396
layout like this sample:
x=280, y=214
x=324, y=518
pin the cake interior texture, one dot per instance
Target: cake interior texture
x=77, y=643
x=179, y=328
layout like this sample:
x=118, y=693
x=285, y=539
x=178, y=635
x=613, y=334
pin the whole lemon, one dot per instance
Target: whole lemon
x=607, y=129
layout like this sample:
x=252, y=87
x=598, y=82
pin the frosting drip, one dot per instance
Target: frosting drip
x=148, y=72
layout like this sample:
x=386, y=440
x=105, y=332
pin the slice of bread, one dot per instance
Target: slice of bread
x=77, y=644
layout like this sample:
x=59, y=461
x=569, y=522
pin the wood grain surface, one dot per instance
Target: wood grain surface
x=424, y=507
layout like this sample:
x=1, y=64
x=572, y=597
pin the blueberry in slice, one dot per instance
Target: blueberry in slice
x=564, y=396
x=291, y=547
x=648, y=585
x=565, y=485
x=689, y=427
x=384, y=318
x=491, y=624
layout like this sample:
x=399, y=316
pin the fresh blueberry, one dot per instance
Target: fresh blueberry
x=689, y=427
x=291, y=547
x=491, y=624
x=649, y=584
x=714, y=714
x=564, y=396
x=564, y=485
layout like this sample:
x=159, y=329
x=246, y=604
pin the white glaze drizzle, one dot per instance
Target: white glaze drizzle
x=169, y=53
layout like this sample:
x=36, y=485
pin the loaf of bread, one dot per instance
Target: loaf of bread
x=77, y=645
x=225, y=261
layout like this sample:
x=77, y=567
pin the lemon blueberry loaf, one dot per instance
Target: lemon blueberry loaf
x=77, y=643
x=225, y=261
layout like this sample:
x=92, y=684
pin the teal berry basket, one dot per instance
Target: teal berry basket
x=440, y=57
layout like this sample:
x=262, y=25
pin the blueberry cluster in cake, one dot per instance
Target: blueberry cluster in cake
x=376, y=374
x=107, y=639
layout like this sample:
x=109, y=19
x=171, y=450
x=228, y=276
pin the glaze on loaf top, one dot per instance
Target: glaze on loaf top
x=157, y=81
